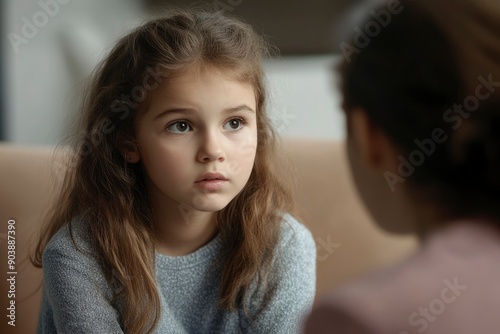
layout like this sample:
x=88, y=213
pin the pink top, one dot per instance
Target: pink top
x=449, y=286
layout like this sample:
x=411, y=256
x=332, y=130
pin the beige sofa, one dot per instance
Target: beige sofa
x=348, y=242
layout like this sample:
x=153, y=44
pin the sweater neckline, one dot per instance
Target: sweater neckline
x=207, y=252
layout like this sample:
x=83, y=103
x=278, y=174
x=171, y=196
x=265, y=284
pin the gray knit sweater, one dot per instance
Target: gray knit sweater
x=77, y=298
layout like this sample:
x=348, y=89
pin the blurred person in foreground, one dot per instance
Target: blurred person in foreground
x=421, y=87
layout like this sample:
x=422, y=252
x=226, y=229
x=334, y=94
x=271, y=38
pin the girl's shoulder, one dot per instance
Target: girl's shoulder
x=278, y=303
x=292, y=230
x=296, y=237
x=70, y=258
x=72, y=240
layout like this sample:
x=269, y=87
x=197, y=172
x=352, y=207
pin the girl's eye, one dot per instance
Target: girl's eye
x=234, y=124
x=179, y=127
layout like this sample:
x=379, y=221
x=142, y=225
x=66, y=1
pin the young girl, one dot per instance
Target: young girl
x=423, y=107
x=173, y=219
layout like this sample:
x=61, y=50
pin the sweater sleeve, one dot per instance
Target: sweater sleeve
x=76, y=294
x=282, y=304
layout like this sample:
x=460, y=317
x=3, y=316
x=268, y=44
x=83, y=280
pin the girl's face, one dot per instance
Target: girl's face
x=197, y=141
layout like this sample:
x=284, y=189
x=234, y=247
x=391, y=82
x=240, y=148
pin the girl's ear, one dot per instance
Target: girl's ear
x=131, y=156
x=374, y=148
x=128, y=149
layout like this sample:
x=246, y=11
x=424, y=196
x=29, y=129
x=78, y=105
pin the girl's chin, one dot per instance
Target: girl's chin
x=211, y=208
x=208, y=205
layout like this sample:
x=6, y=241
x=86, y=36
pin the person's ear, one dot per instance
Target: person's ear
x=129, y=151
x=374, y=148
x=131, y=156
x=371, y=154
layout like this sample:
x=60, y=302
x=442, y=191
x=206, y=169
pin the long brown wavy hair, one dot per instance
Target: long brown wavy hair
x=110, y=195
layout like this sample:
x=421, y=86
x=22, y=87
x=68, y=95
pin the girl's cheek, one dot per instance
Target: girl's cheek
x=248, y=150
x=243, y=164
x=247, y=143
x=234, y=168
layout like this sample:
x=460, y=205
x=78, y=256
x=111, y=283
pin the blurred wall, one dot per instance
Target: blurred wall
x=294, y=26
x=53, y=45
x=303, y=96
x=3, y=136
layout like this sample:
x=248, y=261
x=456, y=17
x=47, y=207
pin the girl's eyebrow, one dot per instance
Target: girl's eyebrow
x=242, y=107
x=174, y=111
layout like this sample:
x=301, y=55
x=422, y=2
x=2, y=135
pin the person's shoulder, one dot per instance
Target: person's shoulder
x=292, y=228
x=358, y=301
x=354, y=307
x=72, y=240
x=295, y=236
x=328, y=317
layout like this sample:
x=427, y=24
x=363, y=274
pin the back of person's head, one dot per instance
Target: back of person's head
x=109, y=193
x=427, y=74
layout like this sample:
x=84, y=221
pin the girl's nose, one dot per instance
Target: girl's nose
x=211, y=149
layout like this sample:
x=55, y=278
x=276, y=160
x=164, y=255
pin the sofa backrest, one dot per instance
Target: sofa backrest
x=347, y=240
x=26, y=190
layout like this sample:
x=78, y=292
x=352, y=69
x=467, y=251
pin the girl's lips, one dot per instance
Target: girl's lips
x=212, y=185
x=209, y=176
